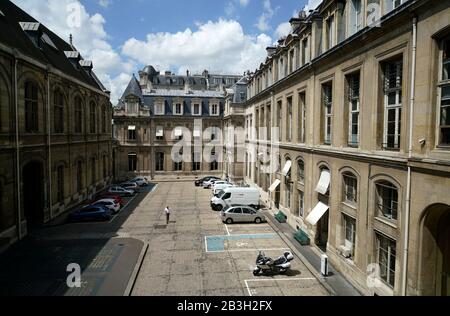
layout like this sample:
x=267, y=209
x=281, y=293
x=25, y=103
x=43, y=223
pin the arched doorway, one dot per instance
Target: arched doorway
x=33, y=194
x=435, y=254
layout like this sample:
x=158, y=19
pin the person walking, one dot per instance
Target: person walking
x=168, y=211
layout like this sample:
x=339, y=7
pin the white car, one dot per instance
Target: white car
x=220, y=185
x=142, y=182
x=121, y=191
x=108, y=203
x=210, y=183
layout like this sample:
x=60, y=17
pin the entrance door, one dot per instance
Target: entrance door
x=33, y=194
x=322, y=232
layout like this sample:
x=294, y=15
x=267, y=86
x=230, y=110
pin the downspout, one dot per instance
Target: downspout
x=410, y=152
x=49, y=129
x=16, y=113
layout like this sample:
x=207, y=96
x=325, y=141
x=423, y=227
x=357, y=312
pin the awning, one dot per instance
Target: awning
x=131, y=128
x=274, y=186
x=317, y=213
x=287, y=168
x=324, y=182
x=159, y=131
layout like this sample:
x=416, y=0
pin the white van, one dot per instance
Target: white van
x=236, y=196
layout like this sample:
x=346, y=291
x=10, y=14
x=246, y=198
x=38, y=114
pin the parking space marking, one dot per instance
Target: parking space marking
x=217, y=243
x=228, y=232
x=253, y=292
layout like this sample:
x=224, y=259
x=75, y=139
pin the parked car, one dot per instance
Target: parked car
x=208, y=184
x=221, y=185
x=241, y=214
x=236, y=196
x=108, y=195
x=130, y=185
x=199, y=182
x=142, y=182
x=91, y=213
x=121, y=191
x=109, y=203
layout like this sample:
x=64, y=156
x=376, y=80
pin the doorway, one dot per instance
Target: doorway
x=33, y=194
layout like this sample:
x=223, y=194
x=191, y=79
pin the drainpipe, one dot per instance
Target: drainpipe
x=410, y=151
x=49, y=129
x=16, y=113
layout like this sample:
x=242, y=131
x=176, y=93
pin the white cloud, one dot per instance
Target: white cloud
x=218, y=46
x=312, y=5
x=244, y=3
x=89, y=36
x=264, y=19
x=283, y=29
x=104, y=3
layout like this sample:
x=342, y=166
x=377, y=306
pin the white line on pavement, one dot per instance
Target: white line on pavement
x=250, y=292
x=228, y=232
x=248, y=250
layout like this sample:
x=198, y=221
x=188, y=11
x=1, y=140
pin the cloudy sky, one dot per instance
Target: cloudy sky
x=121, y=36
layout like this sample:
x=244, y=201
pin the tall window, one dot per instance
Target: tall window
x=178, y=109
x=196, y=161
x=301, y=171
x=58, y=112
x=393, y=104
x=289, y=120
x=444, y=87
x=31, y=108
x=93, y=171
x=304, y=51
x=279, y=120
x=178, y=166
x=288, y=195
x=215, y=109
x=291, y=61
x=160, y=133
x=350, y=233
x=301, y=204
x=393, y=4
x=387, y=200
x=214, y=164
x=196, y=109
x=78, y=115
x=60, y=183
x=386, y=255
x=355, y=17
x=132, y=133
x=132, y=162
x=92, y=118
x=79, y=176
x=159, y=108
x=159, y=162
x=104, y=119
x=350, y=192
x=354, y=109
x=327, y=112
x=302, y=117
x=330, y=32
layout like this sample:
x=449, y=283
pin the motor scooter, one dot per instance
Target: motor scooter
x=267, y=265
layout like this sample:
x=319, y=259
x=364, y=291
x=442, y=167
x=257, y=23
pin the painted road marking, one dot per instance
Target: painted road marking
x=253, y=292
x=217, y=243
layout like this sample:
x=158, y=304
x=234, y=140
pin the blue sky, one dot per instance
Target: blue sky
x=122, y=36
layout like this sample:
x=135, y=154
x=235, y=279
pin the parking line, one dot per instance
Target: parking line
x=228, y=232
x=250, y=292
x=247, y=250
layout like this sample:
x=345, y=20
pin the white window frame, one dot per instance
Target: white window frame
x=352, y=140
x=330, y=24
x=350, y=231
x=348, y=180
x=355, y=17
x=397, y=107
x=389, y=203
x=390, y=271
x=214, y=109
x=327, y=113
x=160, y=108
x=301, y=204
x=443, y=83
x=175, y=108
x=158, y=130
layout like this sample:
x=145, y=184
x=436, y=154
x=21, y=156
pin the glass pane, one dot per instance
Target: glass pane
x=446, y=60
x=445, y=136
x=392, y=98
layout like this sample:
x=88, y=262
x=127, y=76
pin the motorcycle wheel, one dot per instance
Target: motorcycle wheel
x=256, y=272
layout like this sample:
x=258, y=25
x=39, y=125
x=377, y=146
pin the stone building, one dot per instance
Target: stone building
x=55, y=126
x=362, y=103
x=160, y=110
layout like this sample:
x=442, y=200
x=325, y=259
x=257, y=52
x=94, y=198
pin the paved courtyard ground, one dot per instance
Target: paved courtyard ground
x=138, y=254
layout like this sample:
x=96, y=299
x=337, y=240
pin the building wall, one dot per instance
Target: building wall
x=368, y=161
x=46, y=147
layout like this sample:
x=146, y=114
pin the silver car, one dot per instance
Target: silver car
x=242, y=214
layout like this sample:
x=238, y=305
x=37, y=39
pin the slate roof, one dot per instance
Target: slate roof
x=182, y=93
x=133, y=88
x=51, y=49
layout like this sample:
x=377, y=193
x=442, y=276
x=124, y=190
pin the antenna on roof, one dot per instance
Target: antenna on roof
x=71, y=40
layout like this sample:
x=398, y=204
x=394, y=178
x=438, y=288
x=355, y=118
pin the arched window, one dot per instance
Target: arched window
x=78, y=115
x=159, y=162
x=387, y=200
x=92, y=118
x=58, y=112
x=60, y=183
x=350, y=189
x=104, y=119
x=301, y=171
x=31, y=107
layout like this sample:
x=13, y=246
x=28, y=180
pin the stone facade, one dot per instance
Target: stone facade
x=55, y=127
x=363, y=118
x=159, y=111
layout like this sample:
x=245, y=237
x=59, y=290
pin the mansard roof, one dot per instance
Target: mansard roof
x=133, y=89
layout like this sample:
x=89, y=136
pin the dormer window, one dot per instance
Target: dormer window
x=178, y=109
x=214, y=109
x=196, y=109
x=159, y=108
x=355, y=17
x=33, y=30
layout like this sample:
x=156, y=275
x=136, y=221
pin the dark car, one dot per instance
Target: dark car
x=91, y=213
x=199, y=182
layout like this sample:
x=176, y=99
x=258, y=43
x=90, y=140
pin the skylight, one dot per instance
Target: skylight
x=30, y=26
x=1, y=13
